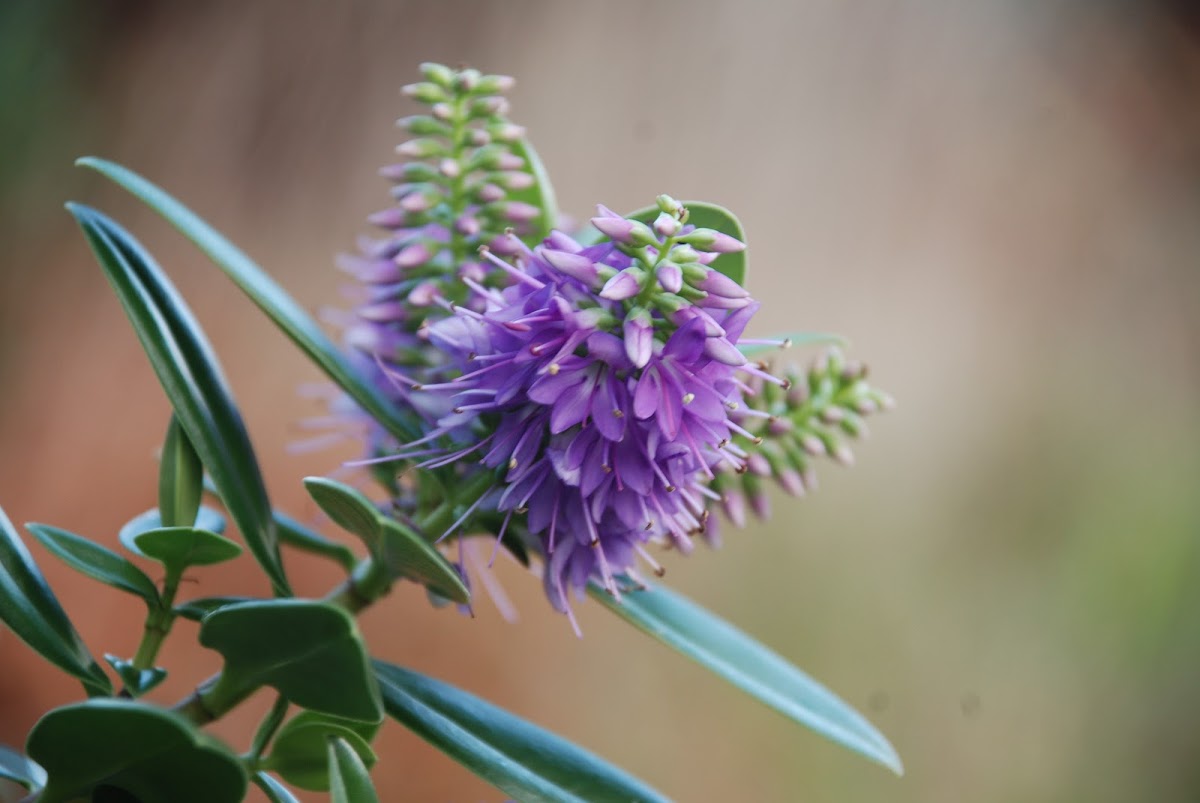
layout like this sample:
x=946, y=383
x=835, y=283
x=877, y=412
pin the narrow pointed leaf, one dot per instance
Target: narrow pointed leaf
x=349, y=780
x=280, y=307
x=723, y=649
x=180, y=479
x=391, y=543
x=273, y=789
x=197, y=609
x=300, y=752
x=540, y=194
x=97, y=562
x=21, y=770
x=30, y=609
x=189, y=374
x=310, y=652
x=527, y=762
x=147, y=752
x=295, y=534
x=793, y=339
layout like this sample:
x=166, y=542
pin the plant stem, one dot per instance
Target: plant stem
x=268, y=727
x=158, y=623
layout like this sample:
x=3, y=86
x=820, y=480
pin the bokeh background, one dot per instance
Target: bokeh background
x=996, y=201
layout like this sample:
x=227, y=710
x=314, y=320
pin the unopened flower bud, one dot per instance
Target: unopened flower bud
x=450, y=168
x=488, y=193
x=716, y=283
x=439, y=74
x=639, y=337
x=442, y=111
x=467, y=79
x=423, y=294
x=734, y=504
x=391, y=218
x=669, y=276
x=684, y=253
x=506, y=131
x=813, y=445
x=467, y=225
x=515, y=180
x=423, y=125
x=666, y=225
x=413, y=255
x=494, y=84
x=576, y=266
x=713, y=240
x=626, y=284
x=669, y=205
x=791, y=481
x=421, y=148
x=758, y=464
x=426, y=92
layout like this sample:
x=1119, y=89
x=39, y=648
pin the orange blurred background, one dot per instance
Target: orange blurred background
x=997, y=202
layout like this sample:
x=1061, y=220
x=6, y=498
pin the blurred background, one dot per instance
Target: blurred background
x=997, y=202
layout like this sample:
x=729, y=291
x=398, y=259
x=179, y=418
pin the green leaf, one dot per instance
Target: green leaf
x=189, y=374
x=281, y=308
x=145, y=751
x=539, y=194
x=794, y=339
x=180, y=479
x=702, y=215
x=273, y=789
x=349, y=781
x=177, y=548
x=206, y=519
x=197, y=609
x=30, y=609
x=392, y=544
x=97, y=562
x=295, y=534
x=137, y=681
x=21, y=770
x=516, y=756
x=300, y=752
x=310, y=652
x=723, y=649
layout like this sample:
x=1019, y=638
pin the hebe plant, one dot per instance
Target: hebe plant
x=576, y=398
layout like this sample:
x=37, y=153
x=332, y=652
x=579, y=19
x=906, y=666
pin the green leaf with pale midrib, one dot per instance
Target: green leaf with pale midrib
x=189, y=375
x=96, y=561
x=349, y=781
x=516, y=756
x=280, y=307
x=273, y=789
x=180, y=476
x=32, y=612
x=723, y=649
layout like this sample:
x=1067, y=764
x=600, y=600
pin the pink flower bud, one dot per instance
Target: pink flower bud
x=639, y=337
x=625, y=284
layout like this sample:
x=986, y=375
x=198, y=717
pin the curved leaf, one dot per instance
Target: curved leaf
x=539, y=194
x=189, y=375
x=176, y=548
x=295, y=534
x=300, y=752
x=273, y=789
x=137, y=681
x=150, y=753
x=349, y=781
x=197, y=609
x=309, y=652
x=30, y=609
x=206, y=519
x=391, y=543
x=516, y=756
x=281, y=308
x=21, y=770
x=723, y=649
x=96, y=561
x=180, y=478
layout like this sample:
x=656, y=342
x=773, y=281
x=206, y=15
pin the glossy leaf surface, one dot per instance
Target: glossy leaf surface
x=206, y=519
x=391, y=543
x=21, y=770
x=176, y=548
x=95, y=561
x=188, y=372
x=516, y=756
x=723, y=649
x=32, y=612
x=143, y=750
x=300, y=752
x=310, y=652
x=273, y=789
x=180, y=479
x=280, y=307
x=349, y=780
x=197, y=609
x=137, y=681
